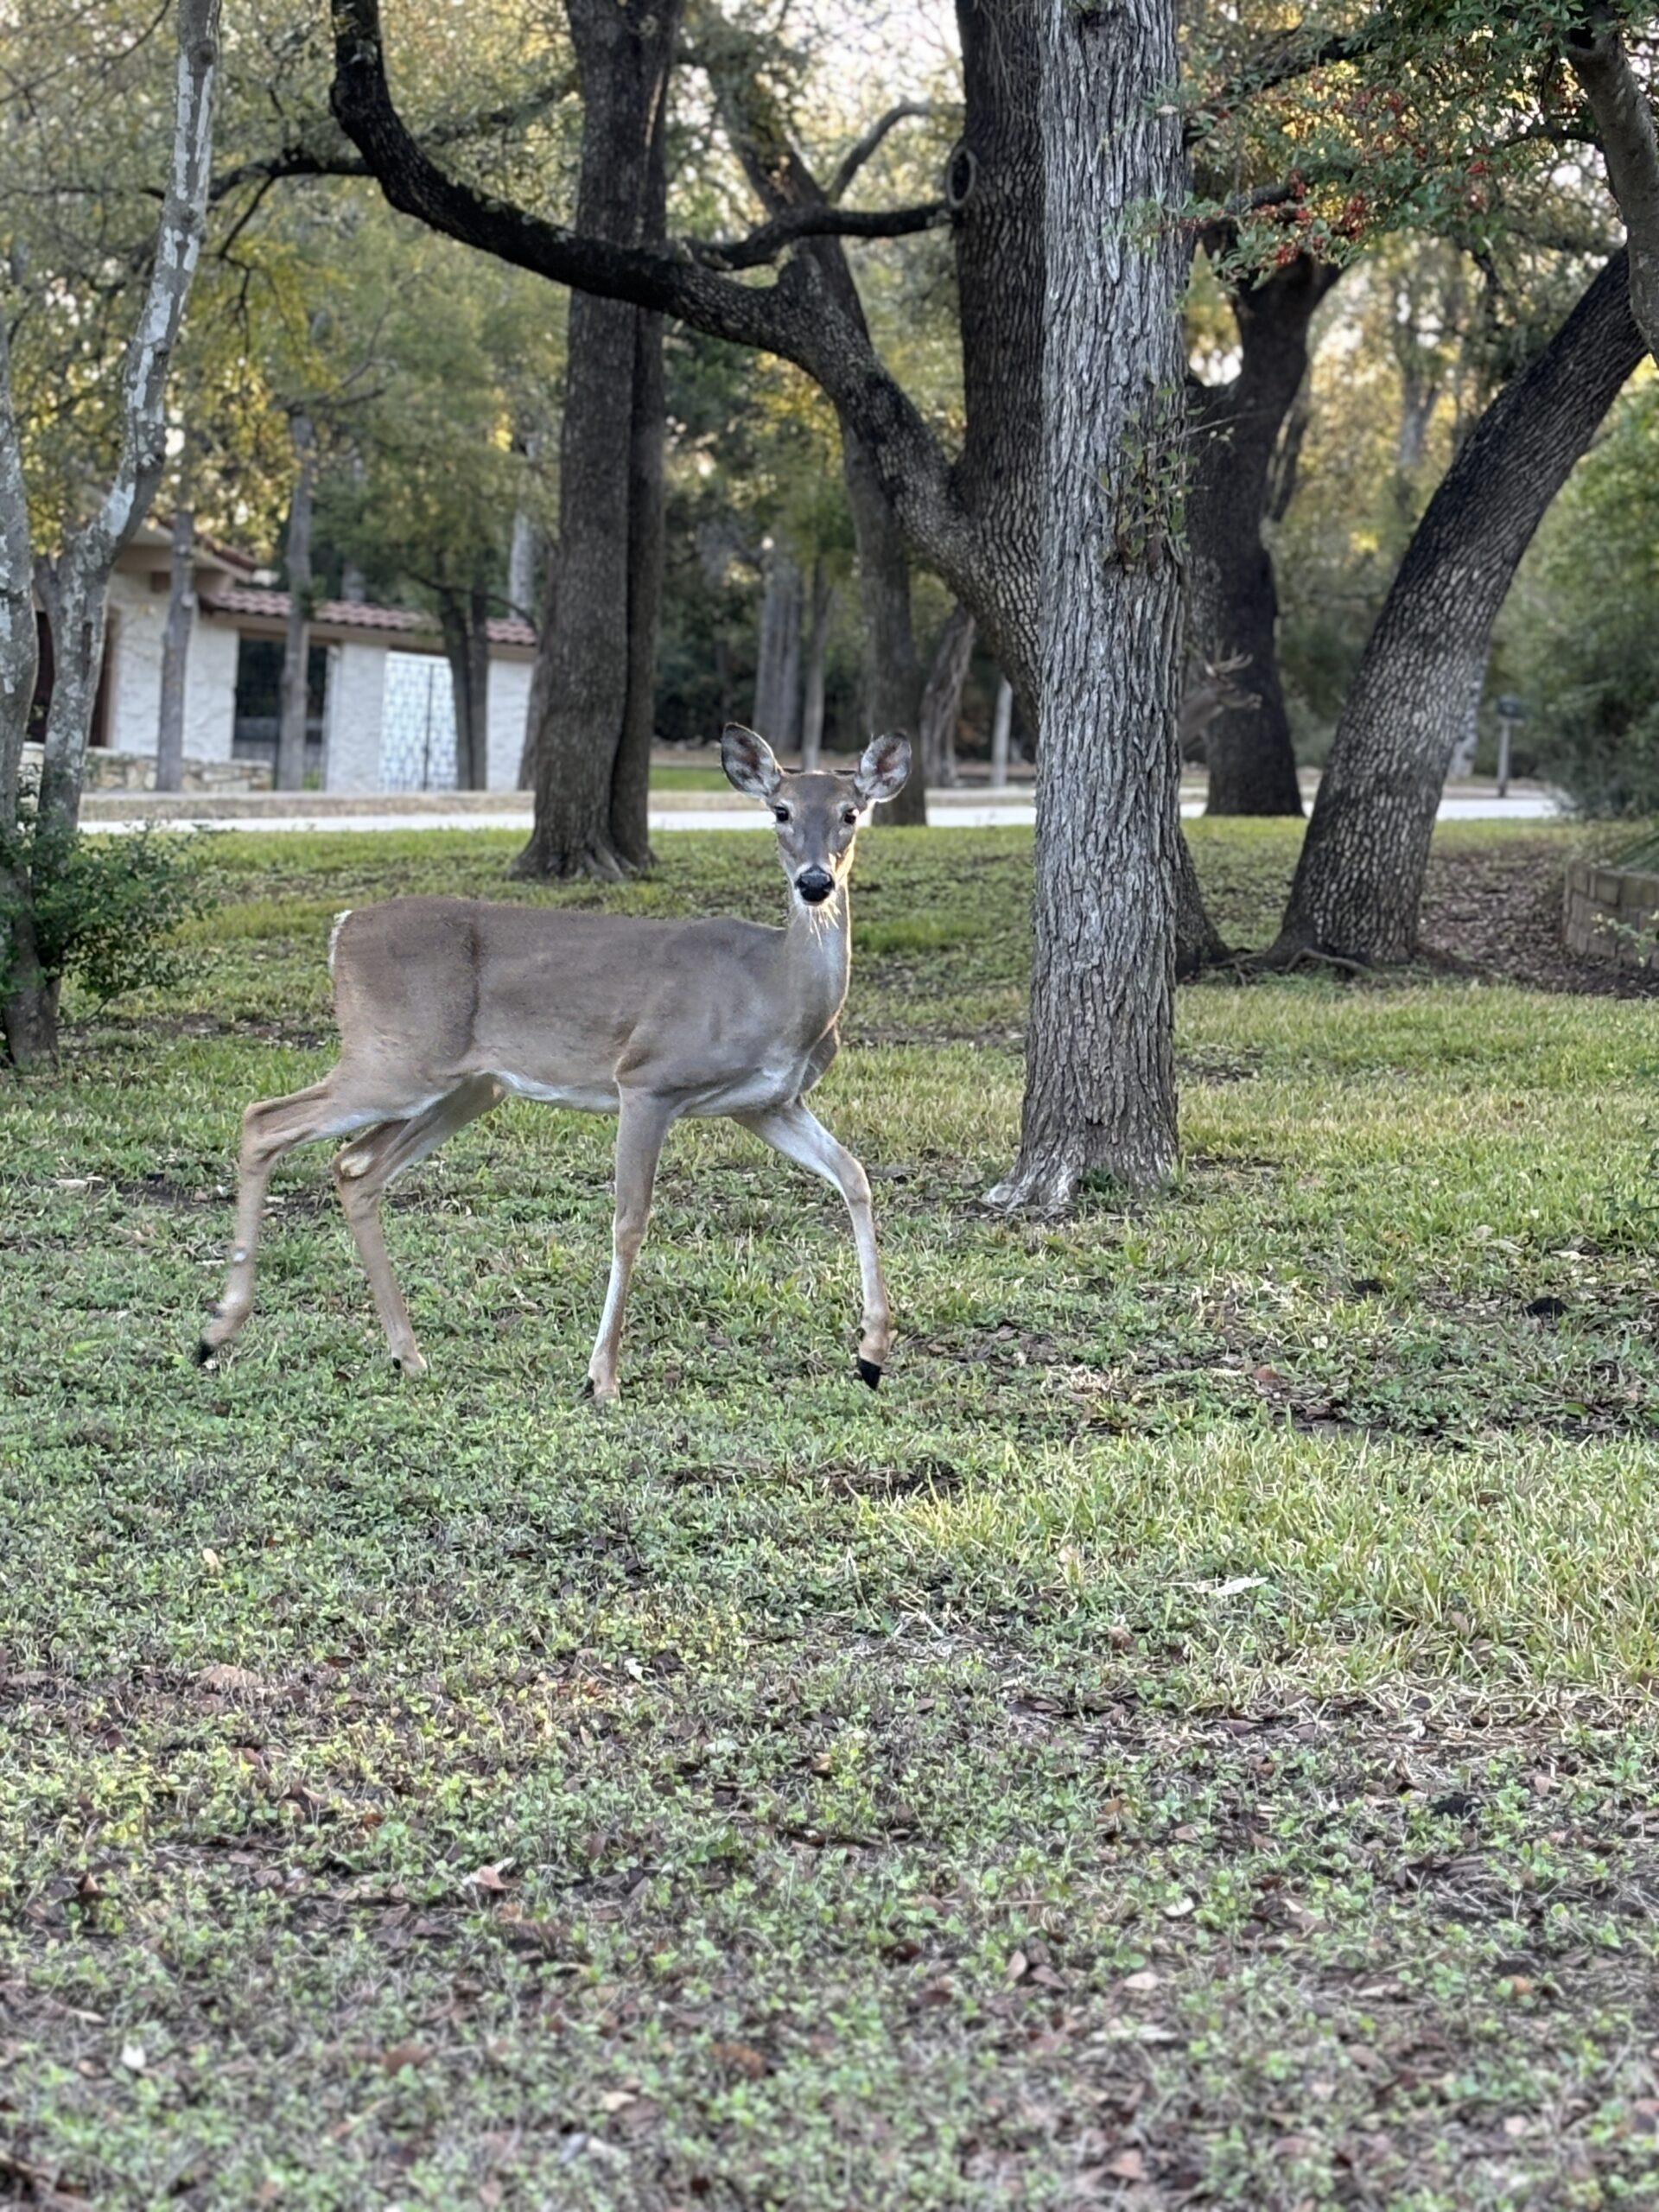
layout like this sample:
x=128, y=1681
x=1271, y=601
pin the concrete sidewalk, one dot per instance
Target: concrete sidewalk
x=965, y=808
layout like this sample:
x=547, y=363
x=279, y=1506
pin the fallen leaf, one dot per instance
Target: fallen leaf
x=616, y=2100
x=405, y=2054
x=1179, y=1910
x=490, y=1877
x=225, y=1678
x=1128, y=2166
x=1146, y=1978
x=132, y=2058
x=212, y=1560
x=744, y=2057
x=1018, y=1965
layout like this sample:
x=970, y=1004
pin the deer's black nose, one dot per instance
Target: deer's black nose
x=815, y=884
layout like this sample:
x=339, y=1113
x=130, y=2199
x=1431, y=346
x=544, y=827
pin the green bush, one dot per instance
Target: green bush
x=104, y=909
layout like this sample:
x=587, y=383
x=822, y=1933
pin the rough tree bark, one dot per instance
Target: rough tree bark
x=1359, y=882
x=821, y=606
x=176, y=650
x=464, y=624
x=892, y=669
x=592, y=696
x=293, y=691
x=1234, y=603
x=73, y=587
x=941, y=700
x=1595, y=50
x=1100, y=1088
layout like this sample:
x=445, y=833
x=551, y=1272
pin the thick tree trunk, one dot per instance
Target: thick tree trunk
x=176, y=652
x=527, y=548
x=1595, y=49
x=592, y=701
x=821, y=606
x=1234, y=603
x=75, y=588
x=941, y=700
x=1100, y=1087
x=1359, y=882
x=893, y=672
x=631, y=774
x=293, y=691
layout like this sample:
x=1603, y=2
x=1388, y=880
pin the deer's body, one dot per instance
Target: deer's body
x=458, y=988
x=447, y=1005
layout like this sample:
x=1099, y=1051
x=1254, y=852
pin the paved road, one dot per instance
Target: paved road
x=1461, y=806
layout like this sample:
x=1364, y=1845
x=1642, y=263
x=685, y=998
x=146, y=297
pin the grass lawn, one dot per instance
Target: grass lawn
x=1188, y=1740
x=684, y=776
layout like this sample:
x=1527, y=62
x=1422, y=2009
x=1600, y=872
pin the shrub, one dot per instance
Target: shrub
x=105, y=910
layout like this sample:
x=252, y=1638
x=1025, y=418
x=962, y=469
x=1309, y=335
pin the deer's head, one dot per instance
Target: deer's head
x=818, y=812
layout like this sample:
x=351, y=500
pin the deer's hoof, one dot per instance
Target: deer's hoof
x=869, y=1372
x=205, y=1354
x=411, y=1364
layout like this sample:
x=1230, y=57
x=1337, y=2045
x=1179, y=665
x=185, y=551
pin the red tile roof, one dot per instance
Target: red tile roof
x=352, y=614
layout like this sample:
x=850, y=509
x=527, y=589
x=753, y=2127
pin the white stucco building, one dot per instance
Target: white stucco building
x=383, y=709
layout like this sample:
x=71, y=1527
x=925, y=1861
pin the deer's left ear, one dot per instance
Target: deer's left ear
x=748, y=761
x=882, y=771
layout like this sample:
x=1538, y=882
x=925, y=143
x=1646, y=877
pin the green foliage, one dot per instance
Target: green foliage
x=106, y=910
x=1582, y=638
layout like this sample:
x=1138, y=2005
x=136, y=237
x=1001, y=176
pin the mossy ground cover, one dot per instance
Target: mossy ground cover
x=1188, y=1740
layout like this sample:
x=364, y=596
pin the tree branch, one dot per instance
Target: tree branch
x=814, y=221
x=794, y=317
x=1282, y=63
x=1595, y=53
x=861, y=150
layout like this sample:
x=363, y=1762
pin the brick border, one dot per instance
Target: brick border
x=1612, y=914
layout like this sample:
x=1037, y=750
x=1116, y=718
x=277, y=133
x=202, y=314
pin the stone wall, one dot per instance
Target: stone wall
x=1612, y=914
x=134, y=772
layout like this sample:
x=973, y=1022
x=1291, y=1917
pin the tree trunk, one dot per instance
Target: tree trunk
x=631, y=774
x=1360, y=879
x=19, y=633
x=822, y=605
x=776, y=711
x=893, y=675
x=294, y=691
x=1234, y=601
x=176, y=652
x=593, y=703
x=1001, y=731
x=942, y=701
x=464, y=624
x=1100, y=1085
x=75, y=588
x=527, y=546
x=1594, y=47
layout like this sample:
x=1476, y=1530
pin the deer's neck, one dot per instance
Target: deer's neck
x=818, y=955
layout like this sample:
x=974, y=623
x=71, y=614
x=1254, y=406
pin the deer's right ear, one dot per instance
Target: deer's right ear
x=748, y=762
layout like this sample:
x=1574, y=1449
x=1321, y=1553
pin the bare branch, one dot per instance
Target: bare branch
x=862, y=150
x=815, y=221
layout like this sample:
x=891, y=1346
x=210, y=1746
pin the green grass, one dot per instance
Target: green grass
x=687, y=778
x=1188, y=1740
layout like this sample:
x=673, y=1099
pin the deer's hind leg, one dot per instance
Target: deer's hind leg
x=361, y=1174
x=271, y=1128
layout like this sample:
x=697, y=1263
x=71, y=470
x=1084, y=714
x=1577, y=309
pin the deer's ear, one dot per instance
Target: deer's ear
x=748, y=761
x=882, y=772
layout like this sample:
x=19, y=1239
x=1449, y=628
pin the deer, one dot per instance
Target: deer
x=447, y=1005
x=1214, y=694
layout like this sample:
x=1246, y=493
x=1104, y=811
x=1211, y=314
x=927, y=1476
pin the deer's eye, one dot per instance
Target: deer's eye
x=780, y=813
x=849, y=816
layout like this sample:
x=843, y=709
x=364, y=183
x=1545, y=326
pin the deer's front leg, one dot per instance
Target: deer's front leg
x=641, y=1125
x=800, y=1136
